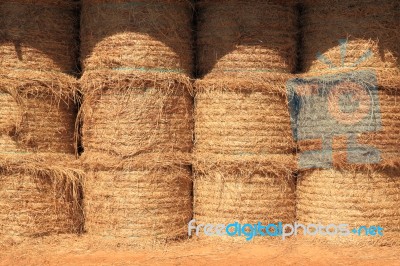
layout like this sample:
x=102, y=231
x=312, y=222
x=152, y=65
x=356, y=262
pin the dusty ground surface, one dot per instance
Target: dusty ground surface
x=69, y=250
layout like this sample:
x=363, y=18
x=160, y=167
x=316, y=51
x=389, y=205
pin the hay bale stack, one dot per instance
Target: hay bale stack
x=370, y=25
x=39, y=197
x=240, y=38
x=242, y=117
x=150, y=36
x=139, y=205
x=358, y=197
x=38, y=36
x=137, y=137
x=40, y=117
x=138, y=116
x=245, y=191
x=243, y=154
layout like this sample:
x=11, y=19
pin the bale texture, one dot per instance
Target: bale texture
x=39, y=117
x=149, y=36
x=10, y=120
x=246, y=192
x=354, y=197
x=242, y=118
x=141, y=205
x=140, y=115
x=370, y=25
x=378, y=129
x=38, y=36
x=242, y=38
x=39, y=197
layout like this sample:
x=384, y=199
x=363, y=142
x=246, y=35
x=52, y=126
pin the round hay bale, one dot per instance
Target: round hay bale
x=38, y=36
x=10, y=121
x=38, y=197
x=245, y=192
x=353, y=197
x=242, y=118
x=149, y=36
x=140, y=206
x=242, y=38
x=374, y=123
x=40, y=116
x=370, y=25
x=126, y=118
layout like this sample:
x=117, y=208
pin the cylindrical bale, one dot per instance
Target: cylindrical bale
x=149, y=36
x=368, y=31
x=246, y=192
x=242, y=118
x=140, y=205
x=38, y=36
x=39, y=197
x=357, y=197
x=242, y=38
x=40, y=117
x=138, y=116
x=354, y=110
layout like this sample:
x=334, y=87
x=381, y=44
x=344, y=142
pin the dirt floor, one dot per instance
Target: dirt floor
x=71, y=250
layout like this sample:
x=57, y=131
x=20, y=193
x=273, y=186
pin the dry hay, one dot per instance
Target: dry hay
x=382, y=126
x=38, y=117
x=351, y=196
x=149, y=36
x=242, y=118
x=369, y=24
x=139, y=205
x=38, y=36
x=247, y=192
x=242, y=38
x=126, y=117
x=39, y=196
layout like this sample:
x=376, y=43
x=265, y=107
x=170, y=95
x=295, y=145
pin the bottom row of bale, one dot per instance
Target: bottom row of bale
x=40, y=196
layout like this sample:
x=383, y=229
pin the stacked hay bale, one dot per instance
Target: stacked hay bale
x=137, y=118
x=38, y=45
x=243, y=144
x=345, y=38
x=39, y=196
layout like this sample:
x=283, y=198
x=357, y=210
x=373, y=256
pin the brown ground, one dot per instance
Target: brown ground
x=83, y=251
